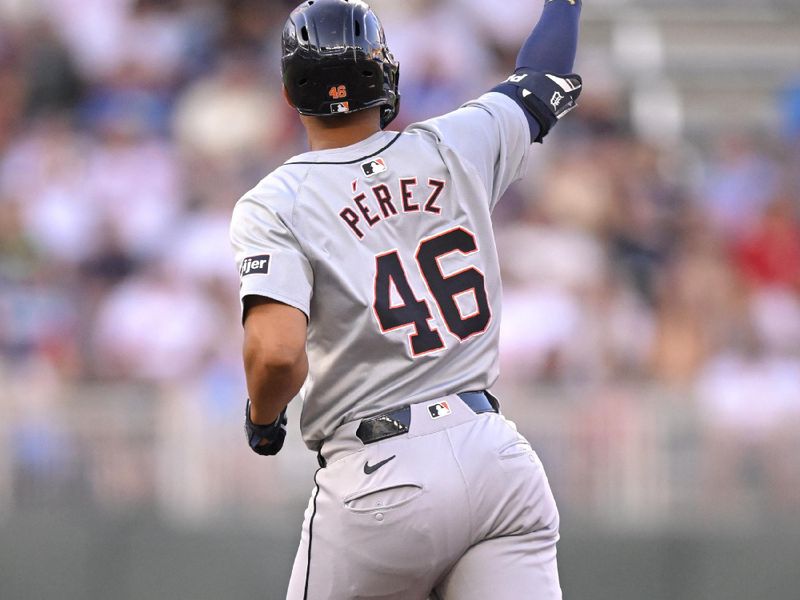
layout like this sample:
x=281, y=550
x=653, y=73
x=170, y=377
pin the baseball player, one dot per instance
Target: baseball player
x=369, y=273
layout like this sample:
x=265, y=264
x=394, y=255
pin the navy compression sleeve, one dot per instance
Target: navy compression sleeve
x=551, y=47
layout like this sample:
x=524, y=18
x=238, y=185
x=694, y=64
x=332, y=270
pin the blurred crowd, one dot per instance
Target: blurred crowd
x=128, y=129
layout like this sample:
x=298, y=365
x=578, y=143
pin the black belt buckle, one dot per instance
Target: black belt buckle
x=384, y=426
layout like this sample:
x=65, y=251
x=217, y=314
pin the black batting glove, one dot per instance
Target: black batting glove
x=547, y=96
x=266, y=440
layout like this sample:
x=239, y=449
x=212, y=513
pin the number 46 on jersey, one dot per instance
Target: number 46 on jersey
x=445, y=290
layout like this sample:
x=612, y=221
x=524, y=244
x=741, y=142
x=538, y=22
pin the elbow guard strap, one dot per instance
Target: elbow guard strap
x=546, y=96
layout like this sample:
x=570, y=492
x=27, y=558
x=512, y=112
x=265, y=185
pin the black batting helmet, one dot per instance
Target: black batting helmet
x=335, y=60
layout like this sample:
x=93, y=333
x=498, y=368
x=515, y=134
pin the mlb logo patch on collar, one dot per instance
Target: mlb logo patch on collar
x=374, y=167
x=439, y=410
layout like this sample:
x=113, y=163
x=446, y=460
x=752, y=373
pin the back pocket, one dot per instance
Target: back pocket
x=384, y=498
x=519, y=447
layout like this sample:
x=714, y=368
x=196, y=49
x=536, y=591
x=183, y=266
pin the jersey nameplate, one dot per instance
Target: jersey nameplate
x=388, y=200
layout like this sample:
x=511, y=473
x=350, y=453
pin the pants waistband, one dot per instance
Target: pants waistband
x=398, y=421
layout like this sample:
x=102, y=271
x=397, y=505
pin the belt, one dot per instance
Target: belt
x=398, y=421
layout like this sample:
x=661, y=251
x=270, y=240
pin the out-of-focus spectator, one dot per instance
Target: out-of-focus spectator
x=44, y=172
x=739, y=184
x=768, y=252
x=699, y=301
x=775, y=314
x=12, y=99
x=133, y=179
x=53, y=82
x=435, y=58
x=91, y=29
x=154, y=328
x=791, y=108
x=231, y=115
x=547, y=296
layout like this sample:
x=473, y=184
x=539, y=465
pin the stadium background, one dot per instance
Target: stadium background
x=651, y=341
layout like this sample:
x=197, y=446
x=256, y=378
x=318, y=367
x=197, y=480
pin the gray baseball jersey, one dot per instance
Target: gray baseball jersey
x=387, y=247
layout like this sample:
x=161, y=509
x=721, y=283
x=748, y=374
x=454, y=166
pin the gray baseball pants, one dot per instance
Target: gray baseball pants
x=461, y=510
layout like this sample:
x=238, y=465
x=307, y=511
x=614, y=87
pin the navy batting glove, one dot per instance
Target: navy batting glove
x=266, y=440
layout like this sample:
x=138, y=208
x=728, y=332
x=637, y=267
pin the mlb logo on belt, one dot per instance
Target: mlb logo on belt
x=440, y=409
x=374, y=167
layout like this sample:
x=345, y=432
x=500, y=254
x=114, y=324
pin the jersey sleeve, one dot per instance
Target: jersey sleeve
x=269, y=257
x=490, y=133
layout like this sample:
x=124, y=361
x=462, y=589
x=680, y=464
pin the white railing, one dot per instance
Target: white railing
x=624, y=455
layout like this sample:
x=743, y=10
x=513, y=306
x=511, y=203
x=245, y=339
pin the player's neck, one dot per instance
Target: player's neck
x=340, y=131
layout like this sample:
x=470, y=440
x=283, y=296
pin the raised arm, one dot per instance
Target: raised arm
x=550, y=49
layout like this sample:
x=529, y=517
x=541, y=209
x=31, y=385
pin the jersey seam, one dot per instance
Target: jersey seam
x=440, y=142
x=297, y=238
x=523, y=122
x=523, y=166
x=463, y=479
x=300, y=186
x=472, y=167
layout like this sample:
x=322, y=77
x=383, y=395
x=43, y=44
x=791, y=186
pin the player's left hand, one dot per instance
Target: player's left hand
x=266, y=440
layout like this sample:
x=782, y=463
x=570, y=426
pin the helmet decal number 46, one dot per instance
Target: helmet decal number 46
x=338, y=92
x=445, y=289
